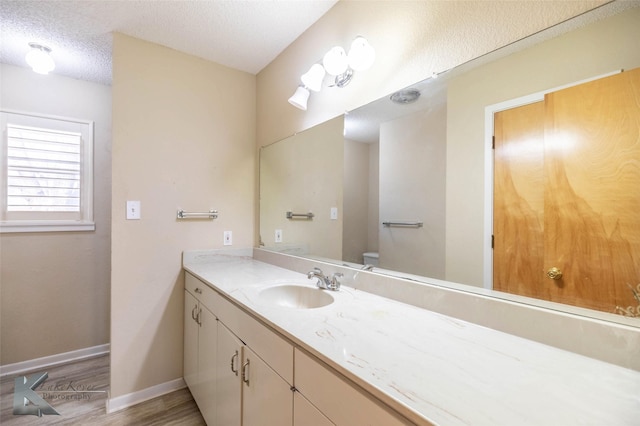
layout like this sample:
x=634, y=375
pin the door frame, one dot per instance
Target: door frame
x=489, y=111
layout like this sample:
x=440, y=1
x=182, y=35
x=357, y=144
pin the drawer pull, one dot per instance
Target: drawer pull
x=234, y=358
x=197, y=290
x=245, y=372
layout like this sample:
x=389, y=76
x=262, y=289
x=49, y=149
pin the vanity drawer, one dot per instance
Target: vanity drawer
x=201, y=291
x=337, y=399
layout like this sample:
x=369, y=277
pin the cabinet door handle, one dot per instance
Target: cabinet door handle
x=193, y=313
x=234, y=358
x=245, y=372
x=198, y=319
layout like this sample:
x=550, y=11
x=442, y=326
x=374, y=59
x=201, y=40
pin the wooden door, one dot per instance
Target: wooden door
x=590, y=219
x=518, y=212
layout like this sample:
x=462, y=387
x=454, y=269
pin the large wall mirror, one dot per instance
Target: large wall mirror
x=489, y=153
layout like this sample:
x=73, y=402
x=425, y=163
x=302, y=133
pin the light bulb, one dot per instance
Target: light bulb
x=299, y=99
x=361, y=54
x=312, y=79
x=335, y=61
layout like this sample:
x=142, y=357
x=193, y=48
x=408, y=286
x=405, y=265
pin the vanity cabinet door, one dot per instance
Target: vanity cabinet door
x=207, y=344
x=190, y=366
x=305, y=414
x=229, y=384
x=267, y=399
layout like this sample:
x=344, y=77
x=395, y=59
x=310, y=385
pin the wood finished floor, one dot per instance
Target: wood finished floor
x=176, y=408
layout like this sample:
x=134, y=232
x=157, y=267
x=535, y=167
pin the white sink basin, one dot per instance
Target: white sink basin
x=295, y=296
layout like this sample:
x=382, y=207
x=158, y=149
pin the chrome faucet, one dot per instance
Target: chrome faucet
x=367, y=267
x=325, y=282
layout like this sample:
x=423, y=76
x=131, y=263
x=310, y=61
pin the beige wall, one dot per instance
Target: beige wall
x=356, y=201
x=54, y=286
x=412, y=189
x=602, y=47
x=412, y=40
x=183, y=137
x=374, y=197
x=301, y=174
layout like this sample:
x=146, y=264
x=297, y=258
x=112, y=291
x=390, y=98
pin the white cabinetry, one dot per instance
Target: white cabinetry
x=229, y=382
x=304, y=413
x=200, y=340
x=244, y=372
x=337, y=400
x=190, y=367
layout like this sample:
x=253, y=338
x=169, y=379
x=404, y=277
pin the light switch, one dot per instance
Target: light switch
x=278, y=235
x=228, y=240
x=334, y=213
x=133, y=210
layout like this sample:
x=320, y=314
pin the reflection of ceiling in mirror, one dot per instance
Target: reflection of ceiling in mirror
x=363, y=124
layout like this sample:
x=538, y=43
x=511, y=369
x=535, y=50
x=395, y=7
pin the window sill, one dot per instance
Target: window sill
x=45, y=226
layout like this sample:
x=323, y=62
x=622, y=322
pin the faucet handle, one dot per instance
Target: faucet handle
x=335, y=284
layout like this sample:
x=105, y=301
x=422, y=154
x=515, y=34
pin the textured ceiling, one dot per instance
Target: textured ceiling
x=241, y=34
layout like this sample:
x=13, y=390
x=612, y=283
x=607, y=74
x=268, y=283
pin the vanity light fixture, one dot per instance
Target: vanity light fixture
x=338, y=63
x=300, y=98
x=39, y=58
x=335, y=61
x=361, y=55
x=312, y=79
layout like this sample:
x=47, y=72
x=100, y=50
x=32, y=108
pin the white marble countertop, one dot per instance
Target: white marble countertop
x=431, y=367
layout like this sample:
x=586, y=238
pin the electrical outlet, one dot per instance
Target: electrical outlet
x=278, y=235
x=228, y=238
x=133, y=210
x=334, y=213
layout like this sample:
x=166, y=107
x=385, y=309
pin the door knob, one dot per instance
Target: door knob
x=554, y=273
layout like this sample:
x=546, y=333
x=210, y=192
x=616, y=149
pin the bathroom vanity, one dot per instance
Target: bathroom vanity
x=264, y=346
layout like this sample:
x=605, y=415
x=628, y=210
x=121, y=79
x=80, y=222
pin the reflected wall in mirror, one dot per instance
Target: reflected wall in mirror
x=430, y=162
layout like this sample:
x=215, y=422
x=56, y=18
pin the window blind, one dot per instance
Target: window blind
x=43, y=169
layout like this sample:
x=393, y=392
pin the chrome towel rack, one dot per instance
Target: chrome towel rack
x=291, y=215
x=404, y=224
x=211, y=214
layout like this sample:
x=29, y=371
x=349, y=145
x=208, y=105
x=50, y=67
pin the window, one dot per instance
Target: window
x=47, y=173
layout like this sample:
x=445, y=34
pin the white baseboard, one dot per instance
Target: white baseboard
x=121, y=402
x=50, y=361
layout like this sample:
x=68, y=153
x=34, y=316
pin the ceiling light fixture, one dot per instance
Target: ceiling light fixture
x=405, y=96
x=39, y=58
x=336, y=62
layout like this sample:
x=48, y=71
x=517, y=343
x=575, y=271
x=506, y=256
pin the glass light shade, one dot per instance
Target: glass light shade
x=361, y=54
x=313, y=78
x=39, y=60
x=335, y=61
x=300, y=98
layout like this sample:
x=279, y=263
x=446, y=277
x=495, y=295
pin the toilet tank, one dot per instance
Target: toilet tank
x=371, y=258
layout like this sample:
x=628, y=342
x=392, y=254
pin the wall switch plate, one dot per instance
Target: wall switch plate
x=278, y=235
x=334, y=213
x=133, y=210
x=228, y=240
